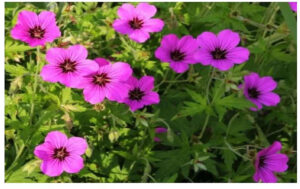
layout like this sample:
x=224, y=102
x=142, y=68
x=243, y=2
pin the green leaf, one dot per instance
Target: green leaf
x=15, y=70
x=229, y=158
x=234, y=102
x=289, y=18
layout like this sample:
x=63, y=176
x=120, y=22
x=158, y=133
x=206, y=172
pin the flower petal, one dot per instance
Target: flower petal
x=146, y=83
x=153, y=25
x=51, y=73
x=121, y=71
x=139, y=36
x=46, y=18
x=73, y=164
x=251, y=80
x=146, y=10
x=126, y=11
x=76, y=145
x=151, y=98
x=52, y=168
x=169, y=42
x=264, y=175
x=44, y=151
x=207, y=40
x=238, y=55
x=117, y=91
x=101, y=61
x=57, y=139
x=269, y=99
x=122, y=26
x=77, y=53
x=94, y=94
x=28, y=19
x=277, y=162
x=187, y=44
x=222, y=65
x=274, y=148
x=228, y=39
x=162, y=54
x=203, y=56
x=266, y=84
x=179, y=67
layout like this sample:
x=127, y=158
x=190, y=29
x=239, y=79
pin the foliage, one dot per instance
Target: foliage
x=212, y=135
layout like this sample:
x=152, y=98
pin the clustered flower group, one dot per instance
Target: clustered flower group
x=99, y=79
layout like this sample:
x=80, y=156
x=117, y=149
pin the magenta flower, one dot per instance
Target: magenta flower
x=67, y=65
x=58, y=154
x=159, y=130
x=106, y=80
x=269, y=161
x=178, y=52
x=259, y=91
x=36, y=29
x=221, y=51
x=137, y=22
x=293, y=6
x=140, y=93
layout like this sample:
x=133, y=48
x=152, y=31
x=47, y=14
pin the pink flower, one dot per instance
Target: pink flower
x=137, y=22
x=140, y=93
x=106, y=80
x=293, y=6
x=259, y=91
x=36, y=29
x=58, y=154
x=159, y=130
x=269, y=161
x=178, y=52
x=221, y=51
x=67, y=65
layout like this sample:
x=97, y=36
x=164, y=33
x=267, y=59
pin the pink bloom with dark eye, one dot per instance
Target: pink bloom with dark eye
x=36, y=29
x=140, y=93
x=293, y=6
x=67, y=65
x=106, y=80
x=178, y=52
x=268, y=161
x=58, y=154
x=221, y=51
x=259, y=91
x=137, y=22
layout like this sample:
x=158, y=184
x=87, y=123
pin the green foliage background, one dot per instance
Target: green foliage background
x=121, y=146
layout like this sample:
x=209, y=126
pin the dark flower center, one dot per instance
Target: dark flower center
x=101, y=79
x=177, y=55
x=253, y=93
x=60, y=153
x=68, y=66
x=37, y=32
x=219, y=54
x=136, y=23
x=136, y=94
x=261, y=161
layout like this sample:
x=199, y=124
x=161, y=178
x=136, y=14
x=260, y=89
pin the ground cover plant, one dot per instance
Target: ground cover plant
x=150, y=92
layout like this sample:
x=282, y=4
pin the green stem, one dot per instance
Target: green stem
x=204, y=126
x=208, y=84
x=35, y=84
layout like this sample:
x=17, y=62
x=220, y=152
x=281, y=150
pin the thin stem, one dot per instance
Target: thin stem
x=204, y=126
x=35, y=84
x=208, y=84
